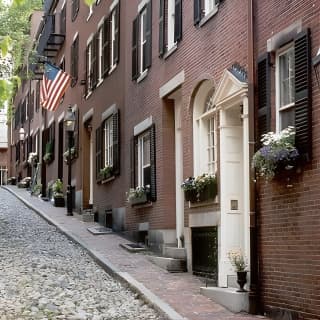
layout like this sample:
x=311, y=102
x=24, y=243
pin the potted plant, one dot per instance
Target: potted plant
x=33, y=158
x=106, y=172
x=239, y=262
x=138, y=195
x=58, y=196
x=277, y=153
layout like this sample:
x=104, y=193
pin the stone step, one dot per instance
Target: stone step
x=174, y=252
x=228, y=297
x=169, y=264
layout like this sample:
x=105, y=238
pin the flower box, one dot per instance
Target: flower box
x=141, y=199
x=190, y=195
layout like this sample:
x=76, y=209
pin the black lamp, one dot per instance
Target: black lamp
x=69, y=123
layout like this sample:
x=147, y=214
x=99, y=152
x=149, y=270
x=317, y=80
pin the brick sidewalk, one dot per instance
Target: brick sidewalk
x=175, y=294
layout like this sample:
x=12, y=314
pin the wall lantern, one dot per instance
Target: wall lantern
x=21, y=134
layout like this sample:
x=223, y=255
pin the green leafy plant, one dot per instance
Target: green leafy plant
x=106, y=171
x=278, y=151
x=138, y=192
x=57, y=188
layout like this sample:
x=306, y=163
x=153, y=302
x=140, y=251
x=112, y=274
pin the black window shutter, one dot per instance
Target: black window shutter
x=52, y=138
x=196, y=11
x=264, y=106
x=98, y=153
x=161, y=27
x=135, y=37
x=94, y=61
x=147, y=48
x=75, y=9
x=86, y=73
x=63, y=20
x=178, y=21
x=106, y=47
x=116, y=143
x=153, y=186
x=303, y=124
x=117, y=34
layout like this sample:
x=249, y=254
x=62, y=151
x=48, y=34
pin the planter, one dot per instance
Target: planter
x=139, y=200
x=58, y=201
x=208, y=193
x=241, y=280
x=190, y=195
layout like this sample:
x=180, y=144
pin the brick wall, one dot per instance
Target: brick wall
x=288, y=210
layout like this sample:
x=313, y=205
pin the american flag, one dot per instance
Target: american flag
x=55, y=82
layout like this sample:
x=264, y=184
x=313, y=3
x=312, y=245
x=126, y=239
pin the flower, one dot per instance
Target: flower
x=33, y=158
x=198, y=183
x=188, y=184
x=237, y=260
x=278, y=151
x=137, y=192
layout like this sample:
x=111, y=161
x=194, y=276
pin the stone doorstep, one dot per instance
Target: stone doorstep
x=132, y=247
x=228, y=297
x=169, y=264
x=174, y=252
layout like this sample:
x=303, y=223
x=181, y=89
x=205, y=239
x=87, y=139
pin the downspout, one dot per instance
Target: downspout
x=254, y=274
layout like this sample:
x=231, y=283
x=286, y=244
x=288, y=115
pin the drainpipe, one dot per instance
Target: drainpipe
x=254, y=274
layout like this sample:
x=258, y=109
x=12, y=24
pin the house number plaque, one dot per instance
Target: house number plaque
x=234, y=205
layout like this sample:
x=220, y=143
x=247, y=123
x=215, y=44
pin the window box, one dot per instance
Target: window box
x=138, y=195
x=58, y=201
x=106, y=173
x=190, y=195
x=208, y=193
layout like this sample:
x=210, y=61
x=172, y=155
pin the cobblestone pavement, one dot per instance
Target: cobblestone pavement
x=46, y=276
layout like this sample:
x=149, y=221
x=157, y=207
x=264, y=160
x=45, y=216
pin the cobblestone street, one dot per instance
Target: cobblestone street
x=46, y=276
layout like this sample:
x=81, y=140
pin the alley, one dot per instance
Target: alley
x=46, y=276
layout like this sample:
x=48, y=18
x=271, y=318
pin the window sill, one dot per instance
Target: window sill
x=170, y=51
x=89, y=16
x=99, y=83
x=112, y=69
x=208, y=16
x=142, y=76
x=88, y=95
x=104, y=181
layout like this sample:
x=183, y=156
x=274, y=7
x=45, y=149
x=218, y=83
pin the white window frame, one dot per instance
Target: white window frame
x=142, y=36
x=90, y=12
x=291, y=105
x=141, y=164
x=108, y=142
x=112, y=38
x=100, y=77
x=171, y=24
x=209, y=6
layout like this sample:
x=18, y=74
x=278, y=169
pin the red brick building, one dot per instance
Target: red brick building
x=288, y=34
x=162, y=91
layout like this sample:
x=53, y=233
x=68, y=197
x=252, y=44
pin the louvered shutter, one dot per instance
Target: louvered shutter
x=135, y=37
x=98, y=153
x=264, y=107
x=303, y=123
x=147, y=47
x=161, y=28
x=86, y=73
x=63, y=20
x=75, y=9
x=106, y=47
x=94, y=61
x=52, y=138
x=153, y=185
x=116, y=143
x=196, y=11
x=116, y=34
x=178, y=21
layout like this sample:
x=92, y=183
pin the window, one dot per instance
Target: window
x=204, y=9
x=92, y=62
x=114, y=37
x=108, y=142
x=205, y=131
x=170, y=26
x=108, y=145
x=141, y=42
x=293, y=90
x=285, y=89
x=37, y=96
x=75, y=9
x=74, y=56
x=63, y=20
x=143, y=166
x=31, y=105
